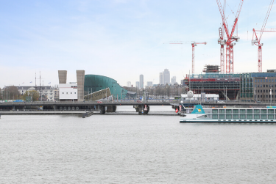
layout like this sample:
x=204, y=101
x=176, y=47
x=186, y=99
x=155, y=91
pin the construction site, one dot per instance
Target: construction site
x=221, y=79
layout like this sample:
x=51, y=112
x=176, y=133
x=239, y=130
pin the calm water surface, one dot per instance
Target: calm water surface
x=134, y=149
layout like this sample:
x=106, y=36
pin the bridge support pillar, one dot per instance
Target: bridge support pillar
x=102, y=109
x=142, y=109
x=111, y=108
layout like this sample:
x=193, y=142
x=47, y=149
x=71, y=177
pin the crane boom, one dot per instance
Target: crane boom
x=237, y=18
x=257, y=41
x=230, y=38
x=266, y=17
x=193, y=50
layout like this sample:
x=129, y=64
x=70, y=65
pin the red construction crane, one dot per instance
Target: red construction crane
x=230, y=38
x=257, y=41
x=222, y=42
x=193, y=51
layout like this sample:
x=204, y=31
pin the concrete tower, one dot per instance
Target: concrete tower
x=62, y=76
x=80, y=83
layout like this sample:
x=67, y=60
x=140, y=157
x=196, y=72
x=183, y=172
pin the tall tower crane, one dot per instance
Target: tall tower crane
x=230, y=38
x=193, y=54
x=222, y=42
x=193, y=51
x=257, y=41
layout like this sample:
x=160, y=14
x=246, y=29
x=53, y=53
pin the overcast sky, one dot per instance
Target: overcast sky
x=122, y=39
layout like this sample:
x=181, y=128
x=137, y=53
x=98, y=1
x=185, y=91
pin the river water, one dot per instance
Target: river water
x=134, y=149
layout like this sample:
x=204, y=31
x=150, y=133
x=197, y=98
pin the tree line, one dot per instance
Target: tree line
x=12, y=93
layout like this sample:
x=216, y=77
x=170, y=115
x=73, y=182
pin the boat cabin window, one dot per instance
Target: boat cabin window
x=249, y=111
x=221, y=111
x=256, y=111
x=271, y=116
x=242, y=111
x=263, y=111
x=235, y=111
x=228, y=111
x=242, y=116
x=214, y=111
x=264, y=116
x=270, y=111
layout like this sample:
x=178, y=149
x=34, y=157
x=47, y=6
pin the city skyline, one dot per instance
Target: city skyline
x=51, y=35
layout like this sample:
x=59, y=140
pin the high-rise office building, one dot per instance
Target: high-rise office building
x=149, y=84
x=166, y=75
x=137, y=84
x=141, y=81
x=161, y=78
x=173, y=80
x=128, y=84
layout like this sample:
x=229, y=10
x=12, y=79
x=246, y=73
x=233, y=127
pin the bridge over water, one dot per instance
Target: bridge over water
x=110, y=106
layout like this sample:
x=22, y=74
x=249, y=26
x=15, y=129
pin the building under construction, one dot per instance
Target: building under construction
x=211, y=69
x=212, y=82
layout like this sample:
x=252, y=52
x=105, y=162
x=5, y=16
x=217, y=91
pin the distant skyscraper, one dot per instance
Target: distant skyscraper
x=161, y=78
x=141, y=81
x=173, y=80
x=128, y=84
x=149, y=84
x=137, y=84
x=166, y=75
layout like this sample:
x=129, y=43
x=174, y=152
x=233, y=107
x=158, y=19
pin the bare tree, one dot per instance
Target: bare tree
x=11, y=92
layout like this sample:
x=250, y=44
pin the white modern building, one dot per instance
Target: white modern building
x=47, y=91
x=74, y=91
x=68, y=92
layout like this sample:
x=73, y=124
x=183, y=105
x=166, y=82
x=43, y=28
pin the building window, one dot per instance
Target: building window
x=71, y=93
x=266, y=85
x=62, y=92
x=261, y=96
x=66, y=93
x=269, y=80
x=75, y=92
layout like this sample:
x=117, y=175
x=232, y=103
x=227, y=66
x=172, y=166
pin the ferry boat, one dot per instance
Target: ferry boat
x=230, y=115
